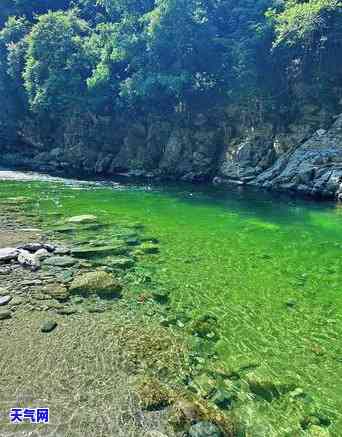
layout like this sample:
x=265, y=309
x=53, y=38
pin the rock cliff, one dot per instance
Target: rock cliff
x=307, y=162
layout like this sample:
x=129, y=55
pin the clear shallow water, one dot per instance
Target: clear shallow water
x=247, y=258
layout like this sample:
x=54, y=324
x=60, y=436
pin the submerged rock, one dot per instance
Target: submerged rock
x=67, y=311
x=98, y=282
x=48, y=326
x=121, y=263
x=60, y=261
x=58, y=292
x=205, y=429
x=5, y=314
x=262, y=386
x=91, y=251
x=8, y=254
x=148, y=248
x=82, y=219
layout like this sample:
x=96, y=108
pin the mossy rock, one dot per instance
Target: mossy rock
x=82, y=219
x=101, y=283
x=152, y=394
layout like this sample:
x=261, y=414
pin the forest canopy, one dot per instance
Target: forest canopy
x=157, y=56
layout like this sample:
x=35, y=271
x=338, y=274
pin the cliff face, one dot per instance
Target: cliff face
x=300, y=159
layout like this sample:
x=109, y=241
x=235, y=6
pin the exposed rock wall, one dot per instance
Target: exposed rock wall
x=299, y=158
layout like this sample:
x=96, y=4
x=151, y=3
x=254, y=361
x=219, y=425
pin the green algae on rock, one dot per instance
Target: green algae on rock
x=99, y=282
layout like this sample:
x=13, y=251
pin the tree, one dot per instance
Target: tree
x=57, y=66
x=12, y=96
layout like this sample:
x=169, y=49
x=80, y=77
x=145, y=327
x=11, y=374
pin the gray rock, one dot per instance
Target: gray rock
x=205, y=429
x=4, y=300
x=60, y=261
x=34, y=247
x=26, y=259
x=62, y=251
x=42, y=254
x=8, y=254
x=48, y=326
x=5, y=314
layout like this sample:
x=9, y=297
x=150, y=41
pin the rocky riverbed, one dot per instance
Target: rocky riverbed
x=74, y=339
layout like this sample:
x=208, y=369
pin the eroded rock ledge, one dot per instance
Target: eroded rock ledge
x=301, y=158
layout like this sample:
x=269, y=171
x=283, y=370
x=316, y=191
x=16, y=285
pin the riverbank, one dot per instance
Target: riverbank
x=306, y=163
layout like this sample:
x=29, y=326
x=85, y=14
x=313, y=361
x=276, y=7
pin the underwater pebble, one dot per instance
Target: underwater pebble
x=205, y=429
x=48, y=326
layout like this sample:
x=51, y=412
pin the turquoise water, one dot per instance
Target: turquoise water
x=268, y=267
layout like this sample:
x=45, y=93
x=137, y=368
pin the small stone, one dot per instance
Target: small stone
x=96, y=309
x=67, y=311
x=8, y=253
x=48, y=326
x=5, y=314
x=82, y=219
x=205, y=429
x=60, y=261
x=4, y=300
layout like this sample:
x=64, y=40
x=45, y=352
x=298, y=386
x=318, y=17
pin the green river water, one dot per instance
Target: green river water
x=268, y=267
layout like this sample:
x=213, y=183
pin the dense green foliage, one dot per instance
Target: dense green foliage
x=164, y=56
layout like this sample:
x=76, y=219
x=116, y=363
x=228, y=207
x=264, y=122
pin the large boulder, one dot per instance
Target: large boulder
x=99, y=282
x=245, y=160
x=313, y=168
